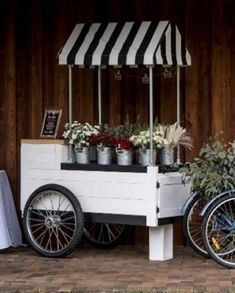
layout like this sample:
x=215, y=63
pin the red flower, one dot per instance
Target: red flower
x=124, y=143
x=102, y=138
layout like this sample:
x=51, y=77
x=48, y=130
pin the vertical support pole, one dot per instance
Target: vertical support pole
x=178, y=110
x=70, y=109
x=70, y=95
x=99, y=96
x=151, y=114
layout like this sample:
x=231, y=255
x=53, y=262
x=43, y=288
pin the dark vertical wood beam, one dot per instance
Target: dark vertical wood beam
x=36, y=66
x=198, y=77
x=62, y=31
x=221, y=68
x=9, y=94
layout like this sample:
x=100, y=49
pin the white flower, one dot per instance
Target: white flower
x=132, y=138
x=74, y=136
x=78, y=134
x=138, y=140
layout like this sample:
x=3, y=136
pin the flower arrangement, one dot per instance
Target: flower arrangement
x=142, y=139
x=122, y=134
x=175, y=135
x=125, y=137
x=103, y=138
x=78, y=134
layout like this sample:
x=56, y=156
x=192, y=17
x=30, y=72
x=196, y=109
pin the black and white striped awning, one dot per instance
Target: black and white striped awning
x=125, y=43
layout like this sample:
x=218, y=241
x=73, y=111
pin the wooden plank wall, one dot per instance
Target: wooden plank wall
x=32, y=33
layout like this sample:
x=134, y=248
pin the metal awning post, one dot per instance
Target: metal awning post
x=70, y=109
x=151, y=114
x=178, y=110
x=99, y=96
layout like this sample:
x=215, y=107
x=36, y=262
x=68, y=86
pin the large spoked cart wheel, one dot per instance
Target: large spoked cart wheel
x=192, y=224
x=104, y=235
x=219, y=230
x=53, y=221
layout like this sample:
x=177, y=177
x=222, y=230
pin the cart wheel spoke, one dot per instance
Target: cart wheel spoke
x=110, y=233
x=104, y=235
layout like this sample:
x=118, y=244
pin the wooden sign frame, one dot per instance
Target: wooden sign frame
x=51, y=123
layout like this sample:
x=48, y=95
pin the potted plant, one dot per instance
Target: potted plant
x=78, y=135
x=124, y=150
x=214, y=170
x=104, y=140
x=141, y=140
x=124, y=147
x=174, y=135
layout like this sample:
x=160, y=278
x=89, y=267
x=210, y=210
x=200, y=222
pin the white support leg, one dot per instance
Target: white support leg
x=161, y=242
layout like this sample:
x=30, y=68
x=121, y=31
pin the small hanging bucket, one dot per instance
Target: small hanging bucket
x=144, y=157
x=167, y=156
x=82, y=155
x=124, y=157
x=104, y=155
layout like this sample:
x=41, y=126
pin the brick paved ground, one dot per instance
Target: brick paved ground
x=124, y=268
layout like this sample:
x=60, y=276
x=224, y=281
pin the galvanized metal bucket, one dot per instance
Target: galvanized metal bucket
x=82, y=155
x=144, y=157
x=104, y=155
x=124, y=157
x=167, y=156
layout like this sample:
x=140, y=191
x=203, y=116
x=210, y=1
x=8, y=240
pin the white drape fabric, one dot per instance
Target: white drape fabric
x=10, y=232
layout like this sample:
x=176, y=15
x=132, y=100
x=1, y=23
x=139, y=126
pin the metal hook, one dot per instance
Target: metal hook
x=145, y=79
x=166, y=73
x=118, y=75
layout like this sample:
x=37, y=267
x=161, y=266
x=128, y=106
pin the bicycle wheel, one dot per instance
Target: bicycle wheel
x=192, y=224
x=53, y=221
x=104, y=235
x=219, y=230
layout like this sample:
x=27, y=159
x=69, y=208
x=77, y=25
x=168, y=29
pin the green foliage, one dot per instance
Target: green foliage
x=127, y=129
x=214, y=170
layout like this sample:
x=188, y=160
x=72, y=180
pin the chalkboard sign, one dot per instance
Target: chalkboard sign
x=51, y=123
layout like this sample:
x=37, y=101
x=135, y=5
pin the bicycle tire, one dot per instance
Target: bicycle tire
x=219, y=230
x=192, y=224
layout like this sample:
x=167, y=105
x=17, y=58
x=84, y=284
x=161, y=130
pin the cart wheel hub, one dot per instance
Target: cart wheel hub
x=52, y=221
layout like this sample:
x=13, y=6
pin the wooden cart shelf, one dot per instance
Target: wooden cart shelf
x=110, y=168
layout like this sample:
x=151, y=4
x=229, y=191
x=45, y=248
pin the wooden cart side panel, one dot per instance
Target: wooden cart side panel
x=172, y=195
x=102, y=197
x=98, y=192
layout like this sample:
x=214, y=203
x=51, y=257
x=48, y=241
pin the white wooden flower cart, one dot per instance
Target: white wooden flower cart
x=58, y=195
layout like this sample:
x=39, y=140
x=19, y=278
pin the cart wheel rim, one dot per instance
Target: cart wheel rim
x=51, y=221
